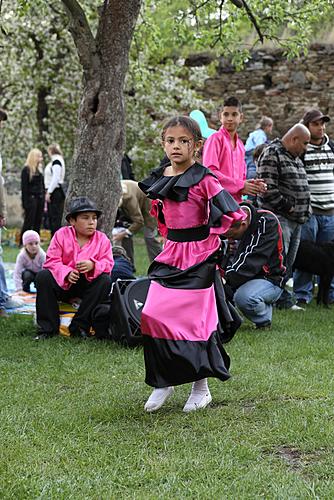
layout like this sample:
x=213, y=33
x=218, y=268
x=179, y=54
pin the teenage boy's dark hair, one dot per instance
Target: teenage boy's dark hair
x=232, y=102
x=3, y=115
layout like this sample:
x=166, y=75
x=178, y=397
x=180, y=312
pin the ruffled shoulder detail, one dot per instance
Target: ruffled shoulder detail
x=222, y=204
x=176, y=188
x=224, y=212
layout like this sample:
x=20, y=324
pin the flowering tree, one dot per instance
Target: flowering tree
x=50, y=78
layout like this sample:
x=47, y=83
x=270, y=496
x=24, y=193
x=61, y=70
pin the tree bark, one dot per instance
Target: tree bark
x=100, y=138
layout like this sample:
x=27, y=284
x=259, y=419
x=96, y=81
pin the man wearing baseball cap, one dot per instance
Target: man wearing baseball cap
x=319, y=167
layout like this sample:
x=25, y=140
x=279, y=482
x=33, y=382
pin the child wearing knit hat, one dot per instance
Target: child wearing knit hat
x=29, y=261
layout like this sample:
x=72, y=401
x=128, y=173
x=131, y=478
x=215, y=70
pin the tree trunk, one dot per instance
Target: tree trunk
x=42, y=113
x=100, y=139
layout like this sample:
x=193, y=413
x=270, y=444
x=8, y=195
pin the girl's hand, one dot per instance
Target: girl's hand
x=47, y=197
x=84, y=266
x=73, y=277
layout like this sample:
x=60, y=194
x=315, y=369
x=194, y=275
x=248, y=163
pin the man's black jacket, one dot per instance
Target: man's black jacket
x=260, y=251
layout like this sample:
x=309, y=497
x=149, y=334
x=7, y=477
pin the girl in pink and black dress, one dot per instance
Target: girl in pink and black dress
x=180, y=318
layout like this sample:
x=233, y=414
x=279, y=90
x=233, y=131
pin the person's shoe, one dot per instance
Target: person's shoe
x=197, y=401
x=301, y=303
x=43, y=336
x=289, y=283
x=296, y=307
x=13, y=303
x=263, y=326
x=79, y=332
x=158, y=398
x=3, y=313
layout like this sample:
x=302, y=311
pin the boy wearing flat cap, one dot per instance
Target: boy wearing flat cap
x=78, y=264
x=319, y=167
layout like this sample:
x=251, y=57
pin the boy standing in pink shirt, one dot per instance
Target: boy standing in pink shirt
x=224, y=154
x=78, y=264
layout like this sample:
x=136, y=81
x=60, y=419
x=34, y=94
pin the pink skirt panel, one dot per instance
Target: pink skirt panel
x=188, y=253
x=179, y=314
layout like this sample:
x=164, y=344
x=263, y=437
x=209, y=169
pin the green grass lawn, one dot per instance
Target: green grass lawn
x=73, y=425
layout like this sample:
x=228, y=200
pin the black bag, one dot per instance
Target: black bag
x=119, y=318
x=127, y=301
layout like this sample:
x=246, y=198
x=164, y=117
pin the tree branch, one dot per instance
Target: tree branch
x=252, y=18
x=83, y=37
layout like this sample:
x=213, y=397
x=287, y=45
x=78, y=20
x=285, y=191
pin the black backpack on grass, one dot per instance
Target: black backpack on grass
x=118, y=319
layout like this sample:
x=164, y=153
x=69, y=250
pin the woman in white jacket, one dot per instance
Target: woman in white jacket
x=55, y=195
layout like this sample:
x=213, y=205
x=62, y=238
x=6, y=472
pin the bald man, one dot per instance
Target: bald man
x=288, y=193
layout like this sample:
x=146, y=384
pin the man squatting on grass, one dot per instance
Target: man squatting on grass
x=256, y=275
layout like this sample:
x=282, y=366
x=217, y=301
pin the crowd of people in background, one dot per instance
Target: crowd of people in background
x=262, y=198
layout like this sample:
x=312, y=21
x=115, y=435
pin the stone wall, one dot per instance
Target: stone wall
x=273, y=86
x=269, y=85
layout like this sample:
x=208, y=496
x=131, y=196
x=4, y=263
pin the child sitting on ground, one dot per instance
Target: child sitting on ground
x=78, y=264
x=29, y=261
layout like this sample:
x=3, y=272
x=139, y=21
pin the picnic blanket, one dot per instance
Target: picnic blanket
x=66, y=311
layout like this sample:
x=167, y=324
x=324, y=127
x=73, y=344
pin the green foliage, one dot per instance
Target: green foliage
x=38, y=55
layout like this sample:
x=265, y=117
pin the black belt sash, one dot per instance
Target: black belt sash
x=189, y=234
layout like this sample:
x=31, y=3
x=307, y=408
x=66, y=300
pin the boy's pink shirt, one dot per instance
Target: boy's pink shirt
x=226, y=162
x=64, y=252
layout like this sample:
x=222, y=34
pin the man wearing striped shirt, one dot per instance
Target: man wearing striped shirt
x=319, y=166
x=288, y=193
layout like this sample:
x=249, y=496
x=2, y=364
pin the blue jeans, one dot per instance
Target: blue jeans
x=291, y=237
x=319, y=228
x=255, y=299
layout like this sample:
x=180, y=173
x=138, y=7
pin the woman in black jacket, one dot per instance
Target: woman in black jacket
x=32, y=188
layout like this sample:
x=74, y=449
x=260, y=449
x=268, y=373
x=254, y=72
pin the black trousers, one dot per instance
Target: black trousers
x=55, y=209
x=33, y=214
x=49, y=293
x=28, y=277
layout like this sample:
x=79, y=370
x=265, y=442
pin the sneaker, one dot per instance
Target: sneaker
x=158, y=398
x=79, y=332
x=301, y=303
x=13, y=303
x=289, y=283
x=295, y=307
x=3, y=313
x=197, y=401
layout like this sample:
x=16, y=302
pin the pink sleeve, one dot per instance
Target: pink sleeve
x=211, y=187
x=213, y=159
x=104, y=261
x=212, y=153
x=156, y=210
x=54, y=261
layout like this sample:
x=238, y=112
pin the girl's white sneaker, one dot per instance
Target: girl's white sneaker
x=158, y=398
x=197, y=400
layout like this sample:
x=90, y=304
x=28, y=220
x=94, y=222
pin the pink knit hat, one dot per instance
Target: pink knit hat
x=30, y=236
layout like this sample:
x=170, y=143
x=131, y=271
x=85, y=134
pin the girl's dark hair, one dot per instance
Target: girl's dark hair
x=185, y=122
